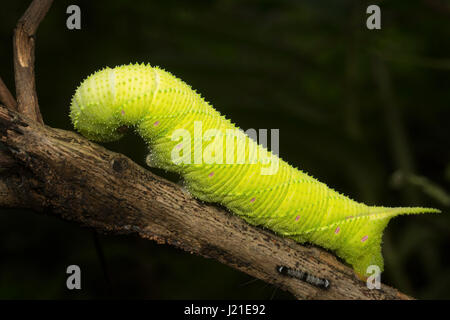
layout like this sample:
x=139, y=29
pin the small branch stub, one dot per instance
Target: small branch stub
x=23, y=46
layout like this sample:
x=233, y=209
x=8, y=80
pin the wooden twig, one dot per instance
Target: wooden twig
x=6, y=97
x=69, y=176
x=23, y=45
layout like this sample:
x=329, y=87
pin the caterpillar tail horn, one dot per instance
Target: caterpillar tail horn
x=362, y=257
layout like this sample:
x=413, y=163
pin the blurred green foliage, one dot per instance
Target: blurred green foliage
x=353, y=106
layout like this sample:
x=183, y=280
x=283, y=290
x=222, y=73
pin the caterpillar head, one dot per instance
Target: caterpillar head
x=93, y=109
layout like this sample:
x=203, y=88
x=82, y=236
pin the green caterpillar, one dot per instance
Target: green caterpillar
x=164, y=110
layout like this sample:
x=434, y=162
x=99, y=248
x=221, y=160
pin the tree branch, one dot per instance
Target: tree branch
x=6, y=97
x=6, y=161
x=67, y=175
x=23, y=45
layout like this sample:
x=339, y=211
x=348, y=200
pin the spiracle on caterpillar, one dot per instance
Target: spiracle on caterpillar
x=163, y=109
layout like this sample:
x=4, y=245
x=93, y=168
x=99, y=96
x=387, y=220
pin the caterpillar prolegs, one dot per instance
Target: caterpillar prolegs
x=167, y=113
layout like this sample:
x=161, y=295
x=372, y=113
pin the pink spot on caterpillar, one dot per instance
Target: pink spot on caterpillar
x=253, y=200
x=364, y=238
x=297, y=217
x=211, y=174
x=123, y=112
x=336, y=231
x=179, y=146
x=156, y=123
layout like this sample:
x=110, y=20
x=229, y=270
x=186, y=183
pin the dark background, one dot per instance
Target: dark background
x=366, y=112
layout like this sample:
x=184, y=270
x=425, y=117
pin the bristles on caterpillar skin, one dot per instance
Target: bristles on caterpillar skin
x=290, y=202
